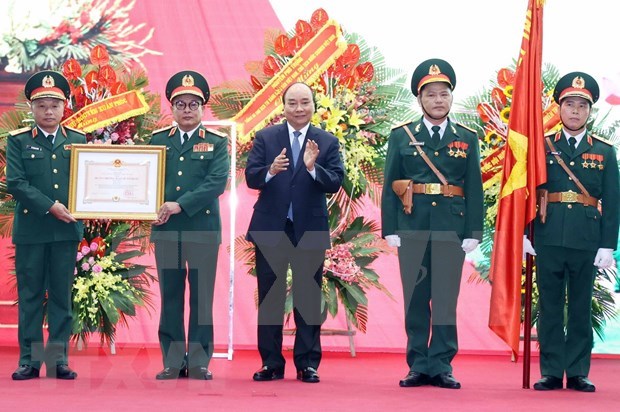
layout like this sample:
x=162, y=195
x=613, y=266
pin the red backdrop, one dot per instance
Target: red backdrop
x=217, y=38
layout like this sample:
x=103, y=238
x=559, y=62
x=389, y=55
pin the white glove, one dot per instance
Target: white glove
x=604, y=258
x=393, y=240
x=527, y=247
x=469, y=245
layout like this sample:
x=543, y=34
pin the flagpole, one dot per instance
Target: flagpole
x=527, y=317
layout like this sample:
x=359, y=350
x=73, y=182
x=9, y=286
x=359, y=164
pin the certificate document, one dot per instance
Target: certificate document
x=116, y=182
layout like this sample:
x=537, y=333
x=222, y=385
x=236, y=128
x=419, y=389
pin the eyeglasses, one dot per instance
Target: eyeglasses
x=181, y=105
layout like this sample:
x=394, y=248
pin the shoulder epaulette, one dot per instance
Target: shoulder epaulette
x=402, y=124
x=163, y=129
x=602, y=139
x=217, y=133
x=75, y=130
x=465, y=127
x=20, y=131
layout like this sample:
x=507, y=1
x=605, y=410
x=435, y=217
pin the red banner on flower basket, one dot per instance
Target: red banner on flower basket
x=305, y=66
x=108, y=111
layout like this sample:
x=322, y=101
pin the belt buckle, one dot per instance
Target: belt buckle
x=432, y=189
x=568, y=197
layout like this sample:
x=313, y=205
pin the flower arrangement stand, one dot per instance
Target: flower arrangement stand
x=349, y=331
x=80, y=345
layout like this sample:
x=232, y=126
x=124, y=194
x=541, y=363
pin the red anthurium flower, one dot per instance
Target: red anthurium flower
x=78, y=97
x=498, y=97
x=281, y=45
x=270, y=66
x=483, y=110
x=342, y=69
x=83, y=244
x=505, y=77
x=118, y=88
x=71, y=69
x=319, y=18
x=349, y=81
x=100, y=252
x=304, y=30
x=256, y=83
x=99, y=55
x=302, y=27
x=351, y=55
x=107, y=75
x=91, y=79
x=295, y=44
x=365, y=71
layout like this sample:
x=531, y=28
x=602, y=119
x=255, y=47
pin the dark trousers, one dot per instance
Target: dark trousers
x=562, y=275
x=176, y=263
x=272, y=263
x=431, y=264
x=39, y=268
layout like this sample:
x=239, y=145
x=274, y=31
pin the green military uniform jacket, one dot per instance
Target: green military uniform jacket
x=457, y=157
x=37, y=176
x=196, y=175
x=574, y=225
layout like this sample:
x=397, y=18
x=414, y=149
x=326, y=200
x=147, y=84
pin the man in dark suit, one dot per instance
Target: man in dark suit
x=440, y=161
x=579, y=232
x=293, y=165
x=45, y=234
x=187, y=233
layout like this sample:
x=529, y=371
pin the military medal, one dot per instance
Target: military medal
x=458, y=149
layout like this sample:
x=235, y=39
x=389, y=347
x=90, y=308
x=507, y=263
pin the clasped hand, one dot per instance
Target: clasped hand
x=281, y=162
x=165, y=211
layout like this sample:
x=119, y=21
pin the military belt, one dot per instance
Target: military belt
x=572, y=197
x=438, y=189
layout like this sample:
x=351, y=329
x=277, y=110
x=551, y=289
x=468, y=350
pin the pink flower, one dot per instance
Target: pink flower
x=79, y=256
x=91, y=260
x=85, y=250
x=74, y=271
x=94, y=246
x=97, y=269
x=114, y=136
x=85, y=266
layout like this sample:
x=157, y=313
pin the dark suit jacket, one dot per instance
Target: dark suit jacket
x=196, y=175
x=37, y=176
x=574, y=225
x=457, y=157
x=297, y=186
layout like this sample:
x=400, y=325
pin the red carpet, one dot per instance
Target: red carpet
x=369, y=382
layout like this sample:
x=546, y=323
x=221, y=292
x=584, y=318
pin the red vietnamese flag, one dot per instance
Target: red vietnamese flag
x=524, y=170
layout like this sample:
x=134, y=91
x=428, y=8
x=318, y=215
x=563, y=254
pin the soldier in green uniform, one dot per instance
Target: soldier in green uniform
x=578, y=232
x=187, y=233
x=439, y=162
x=45, y=234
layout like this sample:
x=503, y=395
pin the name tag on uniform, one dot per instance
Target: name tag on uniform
x=554, y=153
x=416, y=143
x=203, y=147
x=38, y=149
x=67, y=147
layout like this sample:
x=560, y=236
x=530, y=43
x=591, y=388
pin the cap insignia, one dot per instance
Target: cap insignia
x=188, y=80
x=578, y=82
x=48, y=81
x=434, y=70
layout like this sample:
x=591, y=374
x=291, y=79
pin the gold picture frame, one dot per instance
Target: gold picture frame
x=117, y=182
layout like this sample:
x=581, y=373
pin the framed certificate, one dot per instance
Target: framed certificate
x=119, y=182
